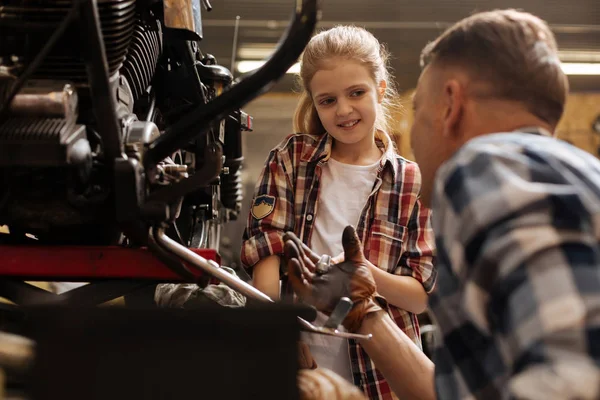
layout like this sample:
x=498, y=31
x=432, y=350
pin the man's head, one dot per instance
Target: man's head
x=492, y=72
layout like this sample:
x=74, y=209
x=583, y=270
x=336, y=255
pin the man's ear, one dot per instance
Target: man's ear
x=381, y=91
x=454, y=101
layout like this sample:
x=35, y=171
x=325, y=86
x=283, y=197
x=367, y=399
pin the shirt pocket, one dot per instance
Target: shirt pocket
x=386, y=244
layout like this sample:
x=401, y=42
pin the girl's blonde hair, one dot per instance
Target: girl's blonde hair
x=350, y=43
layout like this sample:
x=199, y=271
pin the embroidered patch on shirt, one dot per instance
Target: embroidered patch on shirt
x=262, y=206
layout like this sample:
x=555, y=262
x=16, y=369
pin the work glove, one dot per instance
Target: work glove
x=323, y=288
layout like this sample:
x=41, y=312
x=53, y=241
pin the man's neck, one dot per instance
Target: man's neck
x=503, y=117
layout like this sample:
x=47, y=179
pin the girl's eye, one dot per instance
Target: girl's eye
x=357, y=93
x=326, y=102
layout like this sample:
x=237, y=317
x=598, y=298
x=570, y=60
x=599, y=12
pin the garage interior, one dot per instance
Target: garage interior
x=118, y=341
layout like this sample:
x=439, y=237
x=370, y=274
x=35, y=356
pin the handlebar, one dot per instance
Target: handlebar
x=306, y=15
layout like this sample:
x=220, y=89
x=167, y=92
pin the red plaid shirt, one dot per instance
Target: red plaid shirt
x=394, y=228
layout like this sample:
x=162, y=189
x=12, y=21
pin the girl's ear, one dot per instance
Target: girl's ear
x=381, y=91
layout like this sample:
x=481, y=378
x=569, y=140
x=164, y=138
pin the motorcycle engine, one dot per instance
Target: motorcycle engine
x=55, y=185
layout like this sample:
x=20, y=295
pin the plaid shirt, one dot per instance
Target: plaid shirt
x=517, y=224
x=394, y=228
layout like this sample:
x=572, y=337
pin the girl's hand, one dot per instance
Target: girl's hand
x=338, y=259
x=302, y=252
x=351, y=278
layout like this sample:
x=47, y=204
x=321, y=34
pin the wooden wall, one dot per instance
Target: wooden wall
x=576, y=125
x=405, y=119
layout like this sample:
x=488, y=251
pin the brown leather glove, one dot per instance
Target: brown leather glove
x=350, y=278
x=323, y=384
x=305, y=358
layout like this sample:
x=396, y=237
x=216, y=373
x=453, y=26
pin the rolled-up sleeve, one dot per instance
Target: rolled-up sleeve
x=418, y=260
x=272, y=212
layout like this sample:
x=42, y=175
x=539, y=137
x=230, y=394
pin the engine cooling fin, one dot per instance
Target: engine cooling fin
x=21, y=23
x=38, y=141
x=144, y=51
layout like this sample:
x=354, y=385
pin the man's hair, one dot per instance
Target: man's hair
x=513, y=51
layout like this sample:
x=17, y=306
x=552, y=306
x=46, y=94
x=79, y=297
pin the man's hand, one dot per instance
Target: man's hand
x=350, y=278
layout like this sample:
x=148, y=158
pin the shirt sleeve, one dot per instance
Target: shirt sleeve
x=271, y=211
x=418, y=259
x=524, y=260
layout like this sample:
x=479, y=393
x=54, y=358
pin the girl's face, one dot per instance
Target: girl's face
x=346, y=99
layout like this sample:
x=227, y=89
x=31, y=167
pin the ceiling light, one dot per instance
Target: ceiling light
x=581, y=68
x=251, y=65
x=579, y=56
x=256, y=51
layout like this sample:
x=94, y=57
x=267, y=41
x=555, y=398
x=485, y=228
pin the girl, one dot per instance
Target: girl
x=341, y=169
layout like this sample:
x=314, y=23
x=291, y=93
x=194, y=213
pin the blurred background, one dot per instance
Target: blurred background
x=405, y=27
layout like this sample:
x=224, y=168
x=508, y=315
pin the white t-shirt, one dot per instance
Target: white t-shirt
x=344, y=190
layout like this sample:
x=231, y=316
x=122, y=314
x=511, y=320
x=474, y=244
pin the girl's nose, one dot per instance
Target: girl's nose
x=343, y=108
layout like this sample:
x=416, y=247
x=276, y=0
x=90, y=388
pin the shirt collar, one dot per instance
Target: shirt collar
x=535, y=130
x=322, y=152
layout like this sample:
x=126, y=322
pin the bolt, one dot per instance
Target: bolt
x=175, y=169
x=131, y=147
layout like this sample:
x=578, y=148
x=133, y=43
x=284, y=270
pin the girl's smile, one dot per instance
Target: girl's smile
x=347, y=99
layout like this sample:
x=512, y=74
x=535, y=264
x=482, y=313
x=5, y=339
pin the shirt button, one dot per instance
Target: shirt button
x=309, y=217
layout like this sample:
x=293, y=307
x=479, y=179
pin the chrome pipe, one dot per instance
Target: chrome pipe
x=237, y=284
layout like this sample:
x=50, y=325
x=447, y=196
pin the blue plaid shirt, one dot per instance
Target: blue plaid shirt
x=517, y=224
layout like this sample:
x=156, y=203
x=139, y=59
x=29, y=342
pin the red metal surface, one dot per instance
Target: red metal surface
x=88, y=263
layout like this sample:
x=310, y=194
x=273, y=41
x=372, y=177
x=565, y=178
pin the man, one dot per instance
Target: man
x=517, y=220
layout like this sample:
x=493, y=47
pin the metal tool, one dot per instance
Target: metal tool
x=211, y=267
x=323, y=265
x=339, y=313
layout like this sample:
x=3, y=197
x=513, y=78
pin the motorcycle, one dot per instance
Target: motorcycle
x=120, y=150
x=120, y=142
